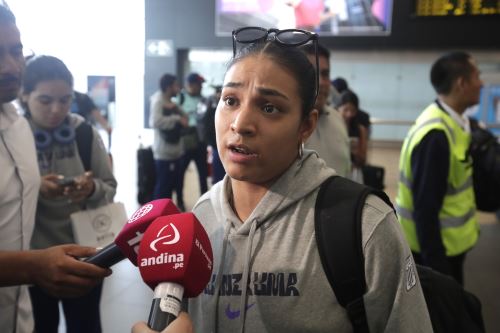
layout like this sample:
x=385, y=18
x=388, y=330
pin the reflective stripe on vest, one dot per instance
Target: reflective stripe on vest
x=446, y=222
x=450, y=189
x=458, y=225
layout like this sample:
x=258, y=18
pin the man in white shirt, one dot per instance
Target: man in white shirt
x=329, y=139
x=55, y=269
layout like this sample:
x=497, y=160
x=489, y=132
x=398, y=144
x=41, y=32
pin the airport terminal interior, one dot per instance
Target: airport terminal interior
x=118, y=50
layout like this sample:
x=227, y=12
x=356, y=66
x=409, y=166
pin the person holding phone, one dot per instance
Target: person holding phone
x=76, y=175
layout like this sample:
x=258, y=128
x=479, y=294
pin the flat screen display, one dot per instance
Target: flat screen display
x=326, y=17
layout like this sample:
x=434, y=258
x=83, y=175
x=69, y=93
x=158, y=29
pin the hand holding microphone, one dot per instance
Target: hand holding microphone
x=126, y=244
x=182, y=324
x=175, y=259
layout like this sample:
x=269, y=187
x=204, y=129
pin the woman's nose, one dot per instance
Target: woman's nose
x=58, y=108
x=244, y=121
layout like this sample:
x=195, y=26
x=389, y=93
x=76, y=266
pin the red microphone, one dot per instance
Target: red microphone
x=175, y=259
x=126, y=244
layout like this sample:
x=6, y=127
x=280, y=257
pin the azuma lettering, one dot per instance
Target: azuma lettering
x=259, y=284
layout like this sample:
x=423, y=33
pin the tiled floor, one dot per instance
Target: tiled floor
x=126, y=299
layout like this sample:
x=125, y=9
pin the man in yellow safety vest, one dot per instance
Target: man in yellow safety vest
x=435, y=201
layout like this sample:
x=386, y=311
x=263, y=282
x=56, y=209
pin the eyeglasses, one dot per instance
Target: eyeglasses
x=287, y=38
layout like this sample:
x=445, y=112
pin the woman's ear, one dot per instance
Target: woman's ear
x=309, y=125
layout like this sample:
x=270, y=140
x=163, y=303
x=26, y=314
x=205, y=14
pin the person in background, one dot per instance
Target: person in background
x=57, y=269
x=308, y=13
x=435, y=201
x=218, y=171
x=46, y=97
x=267, y=273
x=85, y=107
x=195, y=148
x=362, y=117
x=168, y=120
x=329, y=139
x=348, y=106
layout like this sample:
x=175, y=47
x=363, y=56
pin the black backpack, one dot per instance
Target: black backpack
x=337, y=220
x=485, y=152
x=84, y=137
x=146, y=175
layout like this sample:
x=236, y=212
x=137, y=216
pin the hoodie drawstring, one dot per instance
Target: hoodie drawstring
x=218, y=280
x=246, y=269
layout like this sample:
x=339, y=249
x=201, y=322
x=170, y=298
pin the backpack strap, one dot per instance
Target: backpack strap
x=84, y=136
x=182, y=98
x=337, y=221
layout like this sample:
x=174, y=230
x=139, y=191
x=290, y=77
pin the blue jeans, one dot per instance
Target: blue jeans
x=199, y=156
x=167, y=178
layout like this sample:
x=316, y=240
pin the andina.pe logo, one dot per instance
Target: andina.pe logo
x=165, y=237
x=172, y=238
x=141, y=212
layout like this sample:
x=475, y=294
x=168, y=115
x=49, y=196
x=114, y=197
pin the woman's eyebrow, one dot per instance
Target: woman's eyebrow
x=262, y=91
x=271, y=92
x=233, y=85
x=50, y=96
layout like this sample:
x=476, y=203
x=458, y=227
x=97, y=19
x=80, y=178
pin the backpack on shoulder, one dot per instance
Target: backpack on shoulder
x=485, y=152
x=84, y=137
x=146, y=175
x=337, y=220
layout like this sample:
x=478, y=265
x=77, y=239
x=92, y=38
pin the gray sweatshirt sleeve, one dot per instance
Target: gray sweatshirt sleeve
x=156, y=118
x=394, y=301
x=104, y=181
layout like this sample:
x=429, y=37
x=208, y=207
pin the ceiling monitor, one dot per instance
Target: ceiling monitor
x=326, y=17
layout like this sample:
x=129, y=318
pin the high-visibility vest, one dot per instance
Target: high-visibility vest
x=457, y=216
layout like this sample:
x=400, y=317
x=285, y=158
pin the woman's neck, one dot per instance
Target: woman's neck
x=245, y=196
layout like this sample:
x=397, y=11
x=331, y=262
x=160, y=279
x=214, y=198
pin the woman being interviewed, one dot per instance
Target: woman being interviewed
x=260, y=219
x=76, y=175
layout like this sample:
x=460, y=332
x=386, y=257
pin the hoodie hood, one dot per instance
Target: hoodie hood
x=302, y=177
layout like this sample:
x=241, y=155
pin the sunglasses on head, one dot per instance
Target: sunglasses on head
x=287, y=38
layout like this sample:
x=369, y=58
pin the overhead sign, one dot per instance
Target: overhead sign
x=159, y=47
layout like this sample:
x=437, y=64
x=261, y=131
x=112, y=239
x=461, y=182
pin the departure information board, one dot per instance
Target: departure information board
x=457, y=7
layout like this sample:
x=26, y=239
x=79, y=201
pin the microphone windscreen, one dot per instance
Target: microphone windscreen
x=176, y=248
x=130, y=236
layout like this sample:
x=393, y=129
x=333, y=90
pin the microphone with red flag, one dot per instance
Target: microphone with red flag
x=175, y=260
x=126, y=244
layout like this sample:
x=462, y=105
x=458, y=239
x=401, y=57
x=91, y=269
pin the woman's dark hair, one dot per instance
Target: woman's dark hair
x=347, y=97
x=44, y=68
x=340, y=84
x=166, y=81
x=293, y=60
x=448, y=68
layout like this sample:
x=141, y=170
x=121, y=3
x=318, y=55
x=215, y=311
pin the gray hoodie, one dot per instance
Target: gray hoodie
x=275, y=248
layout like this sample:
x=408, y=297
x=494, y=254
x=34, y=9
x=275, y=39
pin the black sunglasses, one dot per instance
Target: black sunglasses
x=287, y=37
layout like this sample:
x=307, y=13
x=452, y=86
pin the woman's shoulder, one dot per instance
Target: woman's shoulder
x=376, y=214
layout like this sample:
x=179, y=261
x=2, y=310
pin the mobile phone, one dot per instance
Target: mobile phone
x=65, y=182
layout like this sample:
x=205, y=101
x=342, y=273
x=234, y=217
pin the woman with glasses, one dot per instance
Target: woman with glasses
x=76, y=175
x=267, y=273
